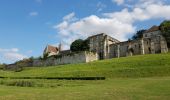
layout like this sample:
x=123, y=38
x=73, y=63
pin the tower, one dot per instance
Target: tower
x=60, y=47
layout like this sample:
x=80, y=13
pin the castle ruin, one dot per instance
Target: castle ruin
x=103, y=46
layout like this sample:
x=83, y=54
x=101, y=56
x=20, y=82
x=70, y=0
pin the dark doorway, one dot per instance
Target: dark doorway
x=149, y=50
x=101, y=55
x=168, y=44
x=131, y=51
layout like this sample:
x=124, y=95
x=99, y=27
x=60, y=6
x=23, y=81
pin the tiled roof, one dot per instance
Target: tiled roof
x=52, y=49
x=152, y=29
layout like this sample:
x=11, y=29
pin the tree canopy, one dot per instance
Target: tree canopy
x=165, y=29
x=138, y=35
x=79, y=45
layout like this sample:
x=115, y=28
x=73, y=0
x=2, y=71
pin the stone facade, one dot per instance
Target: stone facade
x=100, y=44
x=127, y=48
x=155, y=42
x=151, y=43
x=81, y=57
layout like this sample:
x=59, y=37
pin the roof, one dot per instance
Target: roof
x=65, y=52
x=152, y=29
x=96, y=35
x=103, y=35
x=52, y=49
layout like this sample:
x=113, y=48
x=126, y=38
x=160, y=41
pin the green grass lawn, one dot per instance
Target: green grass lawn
x=135, y=66
x=110, y=89
x=144, y=77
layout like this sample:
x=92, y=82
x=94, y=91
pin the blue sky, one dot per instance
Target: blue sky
x=27, y=26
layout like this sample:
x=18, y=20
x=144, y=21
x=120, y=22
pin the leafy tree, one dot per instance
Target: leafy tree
x=85, y=45
x=31, y=58
x=45, y=56
x=165, y=29
x=79, y=45
x=138, y=35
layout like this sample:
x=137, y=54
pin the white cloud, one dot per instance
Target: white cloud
x=100, y=6
x=30, y=51
x=39, y=1
x=11, y=55
x=119, y=24
x=69, y=16
x=14, y=56
x=119, y=2
x=93, y=25
x=33, y=13
x=152, y=11
x=9, y=50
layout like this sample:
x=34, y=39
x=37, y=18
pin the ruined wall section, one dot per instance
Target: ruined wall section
x=72, y=58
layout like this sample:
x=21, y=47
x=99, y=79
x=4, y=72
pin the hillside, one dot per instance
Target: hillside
x=135, y=66
x=144, y=77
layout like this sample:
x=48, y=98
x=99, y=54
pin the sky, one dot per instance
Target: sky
x=27, y=26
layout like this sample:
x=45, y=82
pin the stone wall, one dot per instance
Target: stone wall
x=155, y=44
x=72, y=58
x=127, y=48
x=100, y=43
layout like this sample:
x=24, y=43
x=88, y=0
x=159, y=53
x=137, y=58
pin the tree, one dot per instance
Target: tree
x=45, y=56
x=85, y=45
x=2, y=66
x=138, y=35
x=79, y=45
x=165, y=29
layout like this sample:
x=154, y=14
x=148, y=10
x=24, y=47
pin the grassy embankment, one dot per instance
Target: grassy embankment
x=130, y=78
x=135, y=66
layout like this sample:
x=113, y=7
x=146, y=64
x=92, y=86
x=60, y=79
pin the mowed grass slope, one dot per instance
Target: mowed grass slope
x=135, y=66
x=144, y=77
x=109, y=89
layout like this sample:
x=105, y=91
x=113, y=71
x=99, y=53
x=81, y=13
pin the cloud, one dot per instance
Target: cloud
x=69, y=16
x=119, y=2
x=11, y=55
x=9, y=50
x=100, y=6
x=82, y=28
x=119, y=25
x=39, y=1
x=152, y=11
x=30, y=51
x=33, y=14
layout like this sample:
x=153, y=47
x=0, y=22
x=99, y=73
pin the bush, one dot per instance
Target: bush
x=21, y=83
x=18, y=69
x=2, y=66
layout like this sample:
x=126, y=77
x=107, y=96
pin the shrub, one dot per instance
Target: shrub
x=2, y=66
x=21, y=83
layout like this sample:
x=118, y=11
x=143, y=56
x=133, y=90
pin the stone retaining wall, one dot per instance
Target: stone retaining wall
x=73, y=58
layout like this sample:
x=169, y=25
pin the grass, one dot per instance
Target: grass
x=144, y=77
x=111, y=89
x=135, y=66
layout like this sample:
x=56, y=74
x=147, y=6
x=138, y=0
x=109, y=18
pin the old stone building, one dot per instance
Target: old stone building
x=102, y=46
x=154, y=41
x=100, y=43
x=151, y=43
